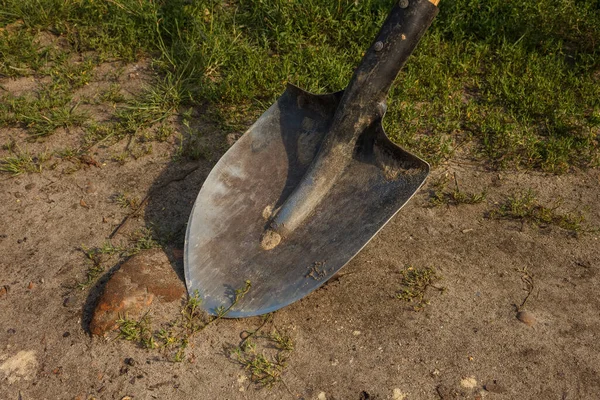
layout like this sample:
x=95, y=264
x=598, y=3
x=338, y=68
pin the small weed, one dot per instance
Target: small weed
x=97, y=257
x=112, y=94
x=93, y=272
x=137, y=331
x=126, y=201
x=143, y=239
x=442, y=196
x=264, y=371
x=415, y=282
x=524, y=206
x=282, y=342
x=22, y=162
x=264, y=357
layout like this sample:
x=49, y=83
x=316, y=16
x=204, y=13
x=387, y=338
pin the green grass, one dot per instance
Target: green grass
x=441, y=195
x=173, y=338
x=518, y=80
x=414, y=284
x=22, y=161
x=524, y=206
x=263, y=355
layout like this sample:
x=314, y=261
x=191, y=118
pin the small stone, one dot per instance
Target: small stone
x=526, y=317
x=11, y=331
x=322, y=396
x=356, y=333
x=83, y=204
x=494, y=387
x=31, y=286
x=130, y=361
x=66, y=334
x=4, y=290
x=18, y=195
x=90, y=188
x=469, y=382
x=398, y=394
x=244, y=335
x=69, y=301
x=29, y=186
x=364, y=395
x=140, y=280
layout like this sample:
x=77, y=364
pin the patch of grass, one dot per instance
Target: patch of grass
x=112, y=94
x=22, y=161
x=137, y=331
x=173, y=338
x=124, y=200
x=442, y=196
x=414, y=285
x=263, y=356
x=525, y=207
x=515, y=80
x=263, y=370
x=99, y=256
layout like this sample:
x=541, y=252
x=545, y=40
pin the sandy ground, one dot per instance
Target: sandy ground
x=353, y=338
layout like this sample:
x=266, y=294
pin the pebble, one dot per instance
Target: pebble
x=66, y=334
x=31, y=285
x=29, y=186
x=526, y=317
x=322, y=396
x=469, y=382
x=130, y=361
x=4, y=290
x=69, y=301
x=494, y=387
x=244, y=335
x=90, y=188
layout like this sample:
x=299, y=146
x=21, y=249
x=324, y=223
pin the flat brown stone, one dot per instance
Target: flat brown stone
x=140, y=280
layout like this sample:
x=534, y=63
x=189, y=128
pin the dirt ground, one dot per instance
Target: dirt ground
x=353, y=338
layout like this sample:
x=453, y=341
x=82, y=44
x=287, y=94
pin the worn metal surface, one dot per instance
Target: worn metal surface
x=257, y=174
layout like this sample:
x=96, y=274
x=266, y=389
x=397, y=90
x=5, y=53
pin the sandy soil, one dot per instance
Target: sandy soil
x=353, y=338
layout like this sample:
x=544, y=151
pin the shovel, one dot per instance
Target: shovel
x=306, y=187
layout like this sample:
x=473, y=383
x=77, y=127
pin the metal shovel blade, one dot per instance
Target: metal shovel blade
x=255, y=177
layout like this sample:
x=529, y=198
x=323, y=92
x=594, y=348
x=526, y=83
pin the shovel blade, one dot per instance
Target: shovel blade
x=256, y=175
